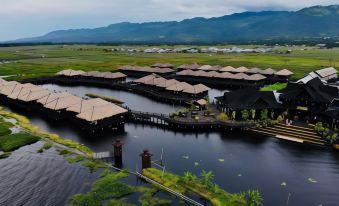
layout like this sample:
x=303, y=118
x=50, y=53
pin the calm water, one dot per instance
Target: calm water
x=249, y=161
x=30, y=178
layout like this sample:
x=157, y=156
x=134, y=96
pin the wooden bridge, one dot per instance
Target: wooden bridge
x=164, y=120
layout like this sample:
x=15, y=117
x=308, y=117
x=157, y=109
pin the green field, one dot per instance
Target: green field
x=32, y=61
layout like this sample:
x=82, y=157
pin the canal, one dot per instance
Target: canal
x=307, y=175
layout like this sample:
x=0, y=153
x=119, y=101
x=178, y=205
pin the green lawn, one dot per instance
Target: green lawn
x=32, y=61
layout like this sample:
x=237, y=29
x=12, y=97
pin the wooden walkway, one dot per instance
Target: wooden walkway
x=191, y=124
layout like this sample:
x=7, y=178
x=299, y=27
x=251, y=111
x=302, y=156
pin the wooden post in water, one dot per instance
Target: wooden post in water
x=118, y=153
x=146, y=159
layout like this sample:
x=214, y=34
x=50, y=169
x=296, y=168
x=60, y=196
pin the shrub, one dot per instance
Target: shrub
x=245, y=114
x=222, y=116
x=264, y=114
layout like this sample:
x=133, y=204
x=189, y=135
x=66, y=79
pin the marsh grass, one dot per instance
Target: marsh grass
x=12, y=142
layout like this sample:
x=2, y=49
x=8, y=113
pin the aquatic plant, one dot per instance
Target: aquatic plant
x=148, y=198
x=207, y=178
x=44, y=147
x=253, y=197
x=94, y=165
x=76, y=159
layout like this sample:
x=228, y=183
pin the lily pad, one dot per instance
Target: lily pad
x=239, y=175
x=185, y=157
x=221, y=160
x=284, y=184
x=196, y=164
x=312, y=180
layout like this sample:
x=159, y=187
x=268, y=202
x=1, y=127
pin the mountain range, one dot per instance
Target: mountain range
x=311, y=22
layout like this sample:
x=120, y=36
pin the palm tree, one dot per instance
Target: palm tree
x=253, y=197
x=187, y=177
x=207, y=178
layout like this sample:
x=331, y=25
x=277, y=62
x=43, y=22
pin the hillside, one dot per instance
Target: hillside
x=317, y=21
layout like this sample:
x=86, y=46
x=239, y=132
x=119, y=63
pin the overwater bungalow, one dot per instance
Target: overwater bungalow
x=283, y=75
x=163, y=65
x=92, y=76
x=102, y=116
x=248, y=99
x=193, y=66
x=136, y=71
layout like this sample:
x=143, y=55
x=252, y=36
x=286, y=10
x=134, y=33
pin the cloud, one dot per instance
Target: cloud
x=23, y=18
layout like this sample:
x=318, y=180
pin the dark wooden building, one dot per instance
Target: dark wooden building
x=249, y=99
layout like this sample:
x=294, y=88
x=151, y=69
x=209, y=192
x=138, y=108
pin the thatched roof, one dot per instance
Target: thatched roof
x=326, y=72
x=199, y=73
x=2, y=81
x=86, y=104
x=62, y=102
x=7, y=88
x=284, y=72
x=201, y=102
x=163, y=65
x=228, y=69
x=22, y=89
x=239, y=76
x=167, y=83
x=70, y=72
x=268, y=71
x=254, y=71
x=155, y=81
x=212, y=74
x=179, y=87
x=185, y=72
x=114, y=75
x=241, y=69
x=226, y=75
x=196, y=89
x=215, y=68
x=193, y=66
x=256, y=77
x=34, y=95
x=205, y=67
x=147, y=69
x=147, y=78
x=101, y=112
x=53, y=96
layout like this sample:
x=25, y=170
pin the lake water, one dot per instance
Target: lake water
x=240, y=161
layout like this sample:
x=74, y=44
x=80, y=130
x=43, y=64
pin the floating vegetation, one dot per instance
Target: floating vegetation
x=5, y=155
x=312, y=180
x=221, y=160
x=284, y=184
x=94, y=165
x=76, y=159
x=107, y=98
x=46, y=146
x=148, y=198
x=239, y=175
x=12, y=142
x=65, y=152
x=196, y=164
x=185, y=157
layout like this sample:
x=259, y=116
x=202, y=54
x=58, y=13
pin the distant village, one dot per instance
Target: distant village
x=192, y=50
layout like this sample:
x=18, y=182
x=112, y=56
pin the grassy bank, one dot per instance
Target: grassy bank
x=110, y=190
x=274, y=87
x=12, y=142
x=107, y=98
x=212, y=193
x=36, y=131
x=33, y=61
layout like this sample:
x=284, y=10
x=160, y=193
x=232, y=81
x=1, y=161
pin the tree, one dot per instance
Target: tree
x=332, y=138
x=234, y=115
x=245, y=114
x=253, y=111
x=253, y=197
x=264, y=114
x=222, y=116
x=207, y=178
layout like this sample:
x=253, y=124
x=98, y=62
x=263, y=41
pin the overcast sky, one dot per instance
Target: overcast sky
x=28, y=18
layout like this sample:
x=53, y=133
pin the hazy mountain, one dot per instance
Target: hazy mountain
x=317, y=21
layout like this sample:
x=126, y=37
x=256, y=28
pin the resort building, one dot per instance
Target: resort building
x=325, y=74
x=250, y=99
